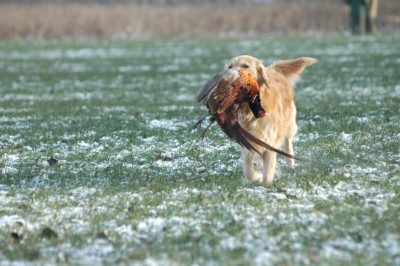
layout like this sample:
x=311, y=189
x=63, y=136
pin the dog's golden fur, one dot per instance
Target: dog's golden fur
x=279, y=126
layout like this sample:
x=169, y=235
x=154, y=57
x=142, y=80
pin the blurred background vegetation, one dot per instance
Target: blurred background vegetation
x=46, y=19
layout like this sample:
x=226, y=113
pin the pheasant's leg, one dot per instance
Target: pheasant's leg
x=201, y=120
x=202, y=134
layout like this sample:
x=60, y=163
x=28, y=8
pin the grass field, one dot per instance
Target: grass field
x=99, y=165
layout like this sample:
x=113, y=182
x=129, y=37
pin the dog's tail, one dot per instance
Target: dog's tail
x=292, y=69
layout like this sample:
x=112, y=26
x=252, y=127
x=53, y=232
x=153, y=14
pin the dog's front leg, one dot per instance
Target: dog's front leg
x=269, y=160
x=248, y=166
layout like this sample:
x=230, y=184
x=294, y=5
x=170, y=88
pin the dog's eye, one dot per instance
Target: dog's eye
x=245, y=66
x=230, y=66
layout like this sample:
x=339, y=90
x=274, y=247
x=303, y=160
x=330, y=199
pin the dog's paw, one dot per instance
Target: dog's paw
x=255, y=176
x=290, y=162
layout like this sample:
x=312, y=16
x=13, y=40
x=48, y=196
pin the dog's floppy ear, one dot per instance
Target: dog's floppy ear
x=261, y=74
x=292, y=68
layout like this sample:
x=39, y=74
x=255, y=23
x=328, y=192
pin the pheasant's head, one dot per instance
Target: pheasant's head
x=249, y=81
x=251, y=86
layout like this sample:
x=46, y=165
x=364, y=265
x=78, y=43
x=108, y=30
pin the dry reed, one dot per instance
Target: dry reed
x=144, y=21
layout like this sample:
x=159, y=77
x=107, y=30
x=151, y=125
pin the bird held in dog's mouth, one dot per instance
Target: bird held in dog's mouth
x=222, y=95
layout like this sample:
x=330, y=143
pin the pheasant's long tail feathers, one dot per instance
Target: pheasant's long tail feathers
x=243, y=137
x=239, y=134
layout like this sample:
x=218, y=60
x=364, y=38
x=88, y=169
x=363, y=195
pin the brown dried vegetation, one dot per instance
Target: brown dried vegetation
x=45, y=21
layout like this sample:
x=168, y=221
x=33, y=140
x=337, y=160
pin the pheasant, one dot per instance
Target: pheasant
x=222, y=95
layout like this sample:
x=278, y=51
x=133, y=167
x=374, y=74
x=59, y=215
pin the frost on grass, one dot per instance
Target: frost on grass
x=166, y=124
x=132, y=183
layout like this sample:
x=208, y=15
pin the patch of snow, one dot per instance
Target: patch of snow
x=168, y=108
x=83, y=191
x=14, y=110
x=346, y=137
x=397, y=90
x=184, y=97
x=115, y=109
x=151, y=225
x=83, y=145
x=166, y=124
x=95, y=252
x=134, y=68
x=126, y=231
x=8, y=170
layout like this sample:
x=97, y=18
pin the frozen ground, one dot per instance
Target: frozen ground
x=99, y=165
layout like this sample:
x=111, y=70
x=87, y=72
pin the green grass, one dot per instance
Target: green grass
x=131, y=183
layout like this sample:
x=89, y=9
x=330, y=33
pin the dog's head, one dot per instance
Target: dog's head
x=290, y=69
x=251, y=64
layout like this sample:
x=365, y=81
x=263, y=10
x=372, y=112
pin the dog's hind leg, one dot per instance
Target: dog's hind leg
x=288, y=148
x=292, y=130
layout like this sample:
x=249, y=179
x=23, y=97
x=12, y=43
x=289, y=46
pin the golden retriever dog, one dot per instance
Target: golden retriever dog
x=278, y=126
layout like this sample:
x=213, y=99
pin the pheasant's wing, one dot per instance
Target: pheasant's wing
x=217, y=92
x=222, y=97
x=213, y=82
x=204, y=93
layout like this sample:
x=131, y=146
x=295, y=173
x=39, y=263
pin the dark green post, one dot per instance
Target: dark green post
x=363, y=15
x=357, y=16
